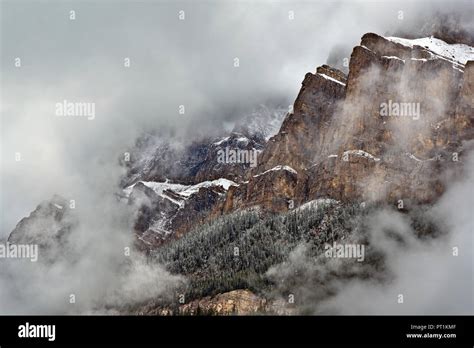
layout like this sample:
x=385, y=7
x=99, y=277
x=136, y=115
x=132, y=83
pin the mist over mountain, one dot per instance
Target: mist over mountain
x=230, y=144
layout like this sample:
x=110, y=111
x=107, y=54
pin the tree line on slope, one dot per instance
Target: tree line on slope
x=235, y=250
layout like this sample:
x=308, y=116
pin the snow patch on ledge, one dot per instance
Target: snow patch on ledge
x=394, y=57
x=287, y=168
x=413, y=157
x=331, y=79
x=361, y=153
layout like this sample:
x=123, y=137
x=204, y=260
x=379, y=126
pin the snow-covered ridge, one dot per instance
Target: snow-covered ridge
x=279, y=167
x=331, y=79
x=240, y=138
x=224, y=183
x=455, y=52
x=158, y=187
x=184, y=191
x=361, y=153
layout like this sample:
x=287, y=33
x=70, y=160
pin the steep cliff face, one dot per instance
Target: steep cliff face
x=304, y=133
x=464, y=116
x=303, y=137
x=273, y=191
x=393, y=154
x=390, y=131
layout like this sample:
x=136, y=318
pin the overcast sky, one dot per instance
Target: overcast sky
x=173, y=62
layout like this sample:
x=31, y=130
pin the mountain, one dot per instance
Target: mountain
x=340, y=145
x=177, y=186
x=49, y=226
x=168, y=210
x=158, y=157
x=172, y=186
x=392, y=132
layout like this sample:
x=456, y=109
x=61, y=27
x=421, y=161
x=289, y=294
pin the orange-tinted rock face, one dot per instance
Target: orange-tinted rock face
x=390, y=131
x=304, y=133
x=273, y=190
x=464, y=117
x=236, y=302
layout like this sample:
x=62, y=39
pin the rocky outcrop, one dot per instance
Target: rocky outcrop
x=236, y=302
x=167, y=210
x=272, y=190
